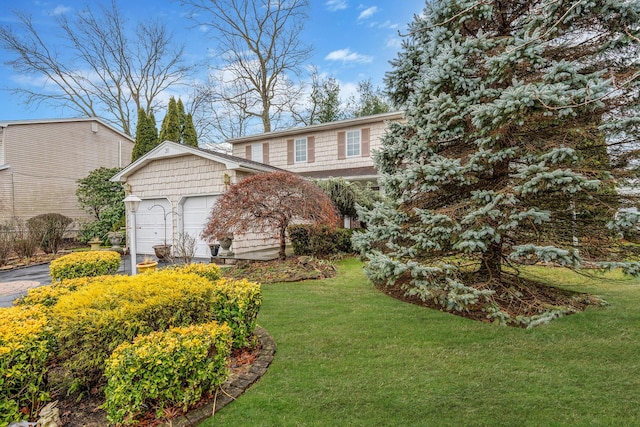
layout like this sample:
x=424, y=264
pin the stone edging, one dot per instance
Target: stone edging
x=235, y=385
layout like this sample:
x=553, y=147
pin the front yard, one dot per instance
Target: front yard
x=349, y=355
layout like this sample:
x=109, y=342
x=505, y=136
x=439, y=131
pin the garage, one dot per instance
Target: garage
x=195, y=211
x=178, y=185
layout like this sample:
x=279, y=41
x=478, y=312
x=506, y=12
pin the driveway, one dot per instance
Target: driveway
x=15, y=283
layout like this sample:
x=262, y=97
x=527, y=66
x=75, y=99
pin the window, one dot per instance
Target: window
x=300, y=147
x=256, y=152
x=353, y=143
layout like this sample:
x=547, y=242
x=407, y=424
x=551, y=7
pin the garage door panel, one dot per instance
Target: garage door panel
x=196, y=211
x=152, y=226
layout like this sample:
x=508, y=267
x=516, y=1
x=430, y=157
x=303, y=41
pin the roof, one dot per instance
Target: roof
x=367, y=172
x=358, y=121
x=5, y=123
x=169, y=149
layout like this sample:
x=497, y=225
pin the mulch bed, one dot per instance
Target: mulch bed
x=515, y=295
x=293, y=269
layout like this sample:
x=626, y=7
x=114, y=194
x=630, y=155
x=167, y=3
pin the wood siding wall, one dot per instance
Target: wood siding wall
x=47, y=159
x=327, y=152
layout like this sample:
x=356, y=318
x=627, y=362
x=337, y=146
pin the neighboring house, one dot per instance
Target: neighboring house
x=336, y=149
x=178, y=185
x=42, y=160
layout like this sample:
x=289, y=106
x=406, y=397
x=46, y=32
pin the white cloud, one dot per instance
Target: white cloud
x=367, y=13
x=60, y=10
x=334, y=5
x=345, y=55
x=388, y=24
x=394, y=42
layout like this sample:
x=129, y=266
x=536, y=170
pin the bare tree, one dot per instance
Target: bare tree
x=261, y=52
x=106, y=74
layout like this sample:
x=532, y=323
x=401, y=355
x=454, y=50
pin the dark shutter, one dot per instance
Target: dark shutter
x=364, y=135
x=265, y=153
x=311, y=149
x=248, y=152
x=290, y=153
x=342, y=150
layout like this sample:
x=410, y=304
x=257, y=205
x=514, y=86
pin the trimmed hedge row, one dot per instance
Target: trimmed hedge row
x=165, y=369
x=84, y=264
x=92, y=321
x=319, y=240
x=25, y=343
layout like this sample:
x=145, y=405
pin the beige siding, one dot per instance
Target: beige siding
x=325, y=153
x=47, y=159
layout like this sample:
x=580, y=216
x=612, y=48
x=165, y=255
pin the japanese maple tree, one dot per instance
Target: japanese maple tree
x=268, y=203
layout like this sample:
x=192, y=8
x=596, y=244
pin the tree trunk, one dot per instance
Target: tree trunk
x=491, y=266
x=283, y=244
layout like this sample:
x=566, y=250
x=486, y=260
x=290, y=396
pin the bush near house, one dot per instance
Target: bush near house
x=84, y=264
x=166, y=369
x=210, y=272
x=319, y=240
x=48, y=295
x=92, y=321
x=48, y=230
x=25, y=343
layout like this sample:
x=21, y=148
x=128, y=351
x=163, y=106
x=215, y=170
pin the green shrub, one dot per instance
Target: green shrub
x=85, y=264
x=166, y=369
x=48, y=230
x=237, y=302
x=319, y=240
x=208, y=271
x=25, y=343
x=92, y=321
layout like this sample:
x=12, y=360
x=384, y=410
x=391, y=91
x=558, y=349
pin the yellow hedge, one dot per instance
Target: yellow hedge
x=92, y=321
x=165, y=369
x=25, y=342
x=48, y=295
x=84, y=264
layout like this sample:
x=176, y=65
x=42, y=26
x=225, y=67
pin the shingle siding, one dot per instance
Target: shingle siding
x=176, y=178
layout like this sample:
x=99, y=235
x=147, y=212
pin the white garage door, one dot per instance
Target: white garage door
x=154, y=220
x=195, y=212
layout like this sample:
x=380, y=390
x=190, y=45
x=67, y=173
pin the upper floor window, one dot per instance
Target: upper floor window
x=256, y=152
x=353, y=143
x=300, y=147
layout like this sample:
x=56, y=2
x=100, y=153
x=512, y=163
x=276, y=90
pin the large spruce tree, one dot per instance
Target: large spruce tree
x=520, y=122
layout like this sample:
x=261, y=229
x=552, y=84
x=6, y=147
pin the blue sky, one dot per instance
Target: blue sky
x=353, y=40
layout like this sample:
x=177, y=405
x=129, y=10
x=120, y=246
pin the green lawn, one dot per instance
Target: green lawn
x=349, y=355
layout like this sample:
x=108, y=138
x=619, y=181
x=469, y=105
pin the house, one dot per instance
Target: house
x=42, y=160
x=336, y=149
x=178, y=185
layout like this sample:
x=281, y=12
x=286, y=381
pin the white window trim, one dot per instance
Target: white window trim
x=302, y=152
x=346, y=143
